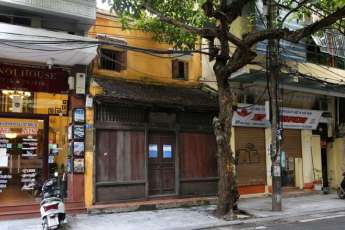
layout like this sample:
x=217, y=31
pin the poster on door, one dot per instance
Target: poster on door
x=167, y=151
x=255, y=116
x=153, y=151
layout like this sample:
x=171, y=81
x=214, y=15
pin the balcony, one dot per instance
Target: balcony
x=80, y=10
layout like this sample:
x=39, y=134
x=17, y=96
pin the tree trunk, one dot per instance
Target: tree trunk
x=227, y=186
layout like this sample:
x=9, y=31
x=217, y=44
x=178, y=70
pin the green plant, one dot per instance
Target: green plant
x=318, y=176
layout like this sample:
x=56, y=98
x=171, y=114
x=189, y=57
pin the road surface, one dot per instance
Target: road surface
x=326, y=221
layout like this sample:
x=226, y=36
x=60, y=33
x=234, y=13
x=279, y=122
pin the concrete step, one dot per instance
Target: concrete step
x=154, y=204
x=33, y=210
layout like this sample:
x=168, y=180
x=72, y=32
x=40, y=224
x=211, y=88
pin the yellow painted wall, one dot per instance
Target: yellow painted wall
x=46, y=101
x=308, y=175
x=141, y=66
x=299, y=173
x=88, y=179
x=316, y=154
x=335, y=161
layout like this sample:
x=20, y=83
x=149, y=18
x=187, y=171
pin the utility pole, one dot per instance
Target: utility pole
x=274, y=70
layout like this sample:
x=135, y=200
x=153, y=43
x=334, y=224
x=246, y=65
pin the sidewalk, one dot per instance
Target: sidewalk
x=191, y=218
x=293, y=206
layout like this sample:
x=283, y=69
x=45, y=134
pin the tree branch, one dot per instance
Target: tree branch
x=227, y=12
x=234, y=9
x=236, y=41
x=203, y=32
x=312, y=28
x=294, y=36
x=301, y=4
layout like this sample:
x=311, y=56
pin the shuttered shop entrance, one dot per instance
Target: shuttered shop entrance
x=291, y=149
x=291, y=144
x=250, y=145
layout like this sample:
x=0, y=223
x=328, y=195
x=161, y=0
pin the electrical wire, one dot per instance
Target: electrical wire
x=100, y=54
x=85, y=41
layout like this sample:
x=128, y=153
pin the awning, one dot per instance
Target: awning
x=43, y=46
x=122, y=91
x=305, y=77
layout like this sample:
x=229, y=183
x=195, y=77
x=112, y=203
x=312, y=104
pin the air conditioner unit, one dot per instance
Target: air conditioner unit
x=80, y=83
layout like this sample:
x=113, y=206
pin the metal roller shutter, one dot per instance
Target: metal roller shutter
x=250, y=144
x=292, y=144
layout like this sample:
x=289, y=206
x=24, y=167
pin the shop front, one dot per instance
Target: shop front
x=251, y=169
x=149, y=143
x=23, y=158
x=34, y=105
x=300, y=149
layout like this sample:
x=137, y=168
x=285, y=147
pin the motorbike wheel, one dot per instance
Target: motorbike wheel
x=45, y=224
x=340, y=193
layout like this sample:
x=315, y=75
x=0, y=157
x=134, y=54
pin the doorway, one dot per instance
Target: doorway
x=288, y=170
x=161, y=163
x=23, y=159
x=324, y=167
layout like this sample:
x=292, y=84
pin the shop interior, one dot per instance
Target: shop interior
x=33, y=143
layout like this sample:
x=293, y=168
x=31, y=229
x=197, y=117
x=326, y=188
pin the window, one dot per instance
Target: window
x=315, y=55
x=179, y=70
x=113, y=60
x=22, y=21
x=5, y=19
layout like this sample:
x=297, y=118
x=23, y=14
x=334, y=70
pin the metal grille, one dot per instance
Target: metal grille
x=195, y=120
x=118, y=114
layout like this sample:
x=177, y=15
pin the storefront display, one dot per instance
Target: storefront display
x=4, y=178
x=22, y=158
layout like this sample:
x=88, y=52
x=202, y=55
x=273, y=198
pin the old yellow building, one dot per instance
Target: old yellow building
x=149, y=132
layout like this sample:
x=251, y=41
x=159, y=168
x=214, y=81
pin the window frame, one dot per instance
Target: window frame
x=117, y=67
x=175, y=65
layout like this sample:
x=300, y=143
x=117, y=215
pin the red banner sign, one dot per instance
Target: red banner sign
x=255, y=116
x=33, y=79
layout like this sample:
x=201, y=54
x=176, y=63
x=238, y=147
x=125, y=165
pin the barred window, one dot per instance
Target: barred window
x=113, y=60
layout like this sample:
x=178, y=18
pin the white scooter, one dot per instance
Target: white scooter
x=52, y=207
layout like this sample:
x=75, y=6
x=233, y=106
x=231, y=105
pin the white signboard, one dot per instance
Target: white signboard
x=255, y=116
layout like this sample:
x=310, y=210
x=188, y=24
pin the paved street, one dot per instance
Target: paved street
x=327, y=221
x=314, y=212
x=324, y=224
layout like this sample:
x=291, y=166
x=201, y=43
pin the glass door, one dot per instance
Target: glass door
x=22, y=144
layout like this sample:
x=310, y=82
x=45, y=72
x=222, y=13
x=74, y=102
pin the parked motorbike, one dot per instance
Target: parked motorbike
x=341, y=188
x=52, y=206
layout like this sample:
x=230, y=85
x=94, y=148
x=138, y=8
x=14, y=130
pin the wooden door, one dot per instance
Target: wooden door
x=120, y=165
x=161, y=163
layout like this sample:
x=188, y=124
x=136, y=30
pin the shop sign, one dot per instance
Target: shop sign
x=255, y=116
x=33, y=79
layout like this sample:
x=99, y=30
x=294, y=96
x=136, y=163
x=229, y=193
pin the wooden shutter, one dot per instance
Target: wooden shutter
x=186, y=70
x=174, y=69
x=124, y=60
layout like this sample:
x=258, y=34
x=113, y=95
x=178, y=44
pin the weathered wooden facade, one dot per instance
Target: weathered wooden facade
x=152, y=141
